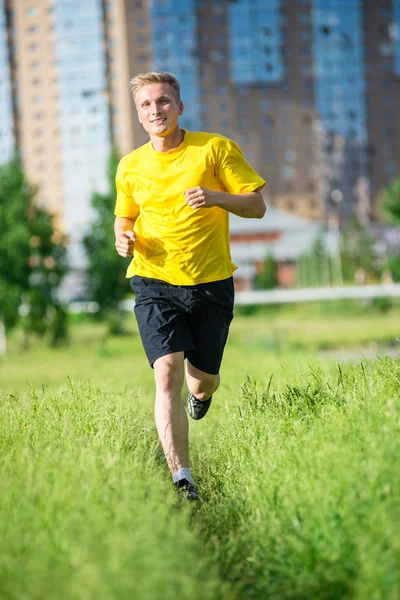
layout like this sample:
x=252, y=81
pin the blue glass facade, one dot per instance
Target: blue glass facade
x=255, y=39
x=84, y=117
x=396, y=36
x=6, y=117
x=339, y=67
x=174, y=43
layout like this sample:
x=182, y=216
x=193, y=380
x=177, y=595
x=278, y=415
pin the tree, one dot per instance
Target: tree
x=107, y=282
x=359, y=255
x=16, y=197
x=48, y=265
x=268, y=278
x=32, y=254
x=394, y=267
x=391, y=204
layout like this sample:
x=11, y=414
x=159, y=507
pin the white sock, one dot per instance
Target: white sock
x=182, y=474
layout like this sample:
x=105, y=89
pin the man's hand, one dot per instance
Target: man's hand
x=200, y=197
x=124, y=243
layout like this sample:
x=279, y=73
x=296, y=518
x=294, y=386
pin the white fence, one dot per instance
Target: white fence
x=319, y=294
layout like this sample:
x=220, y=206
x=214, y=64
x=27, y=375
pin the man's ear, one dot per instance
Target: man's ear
x=181, y=107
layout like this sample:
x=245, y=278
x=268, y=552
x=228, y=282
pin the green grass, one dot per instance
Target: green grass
x=318, y=326
x=303, y=487
x=297, y=463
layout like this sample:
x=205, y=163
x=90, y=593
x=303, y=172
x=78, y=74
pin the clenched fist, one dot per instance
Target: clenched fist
x=200, y=197
x=125, y=243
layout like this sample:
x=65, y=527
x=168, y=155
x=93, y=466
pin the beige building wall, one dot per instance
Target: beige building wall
x=118, y=75
x=38, y=100
x=140, y=55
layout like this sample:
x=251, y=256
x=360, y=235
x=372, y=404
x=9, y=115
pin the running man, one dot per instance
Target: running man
x=174, y=196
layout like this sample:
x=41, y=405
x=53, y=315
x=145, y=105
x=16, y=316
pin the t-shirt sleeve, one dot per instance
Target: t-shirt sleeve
x=233, y=171
x=125, y=206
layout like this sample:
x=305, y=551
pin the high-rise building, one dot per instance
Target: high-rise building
x=308, y=88
x=61, y=101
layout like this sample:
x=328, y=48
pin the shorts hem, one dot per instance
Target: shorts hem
x=165, y=353
x=208, y=371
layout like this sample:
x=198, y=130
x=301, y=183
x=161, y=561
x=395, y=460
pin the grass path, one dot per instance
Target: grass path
x=299, y=476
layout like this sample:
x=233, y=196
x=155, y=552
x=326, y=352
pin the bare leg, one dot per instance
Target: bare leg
x=170, y=414
x=201, y=384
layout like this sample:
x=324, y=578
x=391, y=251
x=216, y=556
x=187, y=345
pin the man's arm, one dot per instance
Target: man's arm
x=250, y=205
x=124, y=236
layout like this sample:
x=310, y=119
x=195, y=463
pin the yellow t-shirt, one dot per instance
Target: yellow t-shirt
x=174, y=242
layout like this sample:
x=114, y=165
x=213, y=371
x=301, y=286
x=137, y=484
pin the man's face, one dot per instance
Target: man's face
x=158, y=108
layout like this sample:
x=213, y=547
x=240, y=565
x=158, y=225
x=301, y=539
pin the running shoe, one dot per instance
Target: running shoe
x=197, y=408
x=189, y=489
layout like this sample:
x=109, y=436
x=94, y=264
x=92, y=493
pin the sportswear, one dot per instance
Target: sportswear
x=175, y=243
x=197, y=409
x=190, y=319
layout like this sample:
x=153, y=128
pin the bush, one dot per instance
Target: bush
x=394, y=266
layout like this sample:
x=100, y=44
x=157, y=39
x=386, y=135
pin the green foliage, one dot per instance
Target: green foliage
x=313, y=268
x=359, y=256
x=48, y=264
x=268, y=278
x=107, y=282
x=383, y=303
x=16, y=197
x=394, y=267
x=391, y=204
x=32, y=253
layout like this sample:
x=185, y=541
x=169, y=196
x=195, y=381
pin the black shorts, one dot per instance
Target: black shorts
x=193, y=319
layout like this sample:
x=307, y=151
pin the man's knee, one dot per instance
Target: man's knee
x=202, y=392
x=169, y=371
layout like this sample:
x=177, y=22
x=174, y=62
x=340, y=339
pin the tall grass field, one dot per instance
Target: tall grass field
x=297, y=464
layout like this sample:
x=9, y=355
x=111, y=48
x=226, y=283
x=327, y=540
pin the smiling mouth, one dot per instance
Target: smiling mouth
x=159, y=120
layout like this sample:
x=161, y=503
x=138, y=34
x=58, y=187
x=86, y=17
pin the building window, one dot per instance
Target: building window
x=288, y=172
x=32, y=12
x=390, y=169
x=267, y=120
x=290, y=155
x=244, y=123
x=222, y=90
x=303, y=18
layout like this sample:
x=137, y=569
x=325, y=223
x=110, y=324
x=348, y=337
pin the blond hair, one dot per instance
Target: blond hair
x=155, y=77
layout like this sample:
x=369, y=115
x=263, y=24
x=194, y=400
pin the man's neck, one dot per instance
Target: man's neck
x=165, y=144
